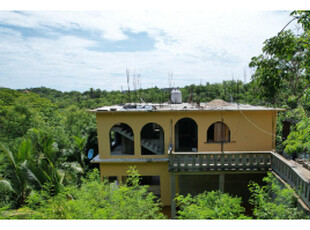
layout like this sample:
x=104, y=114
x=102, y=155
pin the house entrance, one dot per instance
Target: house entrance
x=186, y=135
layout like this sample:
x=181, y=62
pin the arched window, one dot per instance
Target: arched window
x=152, y=139
x=186, y=135
x=121, y=140
x=218, y=132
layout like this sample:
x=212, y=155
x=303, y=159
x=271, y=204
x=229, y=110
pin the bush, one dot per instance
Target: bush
x=98, y=200
x=211, y=205
x=272, y=201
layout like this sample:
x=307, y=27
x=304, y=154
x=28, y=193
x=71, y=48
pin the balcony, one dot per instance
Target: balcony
x=227, y=161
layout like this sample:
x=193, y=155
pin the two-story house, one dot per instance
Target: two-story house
x=186, y=147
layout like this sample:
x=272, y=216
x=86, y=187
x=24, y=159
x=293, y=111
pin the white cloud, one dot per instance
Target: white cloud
x=195, y=45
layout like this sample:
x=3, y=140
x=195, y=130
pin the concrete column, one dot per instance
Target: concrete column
x=173, y=189
x=137, y=143
x=119, y=180
x=222, y=182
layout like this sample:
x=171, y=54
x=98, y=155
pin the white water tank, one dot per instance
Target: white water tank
x=176, y=96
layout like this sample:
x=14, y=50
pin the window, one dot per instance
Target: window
x=121, y=140
x=153, y=183
x=152, y=139
x=218, y=132
x=112, y=179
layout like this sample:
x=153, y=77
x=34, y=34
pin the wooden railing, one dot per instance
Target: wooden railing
x=179, y=162
x=290, y=175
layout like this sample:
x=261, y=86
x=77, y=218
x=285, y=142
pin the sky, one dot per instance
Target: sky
x=81, y=49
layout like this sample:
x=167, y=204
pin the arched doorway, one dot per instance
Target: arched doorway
x=121, y=140
x=152, y=139
x=186, y=135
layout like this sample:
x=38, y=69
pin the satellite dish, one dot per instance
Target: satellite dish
x=90, y=154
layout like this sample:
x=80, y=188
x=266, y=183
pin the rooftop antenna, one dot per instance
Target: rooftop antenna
x=170, y=77
x=232, y=88
x=139, y=81
x=244, y=76
x=128, y=79
x=124, y=100
x=134, y=85
x=139, y=85
x=190, y=99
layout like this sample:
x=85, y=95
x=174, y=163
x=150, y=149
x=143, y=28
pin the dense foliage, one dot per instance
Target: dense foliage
x=40, y=143
x=93, y=200
x=299, y=140
x=210, y=205
x=282, y=78
x=272, y=201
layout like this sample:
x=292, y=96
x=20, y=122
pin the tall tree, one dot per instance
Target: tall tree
x=282, y=71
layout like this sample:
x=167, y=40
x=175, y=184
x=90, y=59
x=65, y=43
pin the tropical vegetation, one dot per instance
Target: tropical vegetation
x=45, y=135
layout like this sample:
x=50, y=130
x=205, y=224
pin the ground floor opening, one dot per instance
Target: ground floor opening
x=236, y=184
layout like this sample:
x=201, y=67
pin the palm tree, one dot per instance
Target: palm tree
x=36, y=164
x=48, y=169
x=16, y=181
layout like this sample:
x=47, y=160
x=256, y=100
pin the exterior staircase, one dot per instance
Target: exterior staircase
x=149, y=144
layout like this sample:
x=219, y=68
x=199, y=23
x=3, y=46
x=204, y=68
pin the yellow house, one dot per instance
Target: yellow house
x=185, y=147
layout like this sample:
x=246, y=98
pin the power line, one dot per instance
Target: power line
x=251, y=122
x=256, y=126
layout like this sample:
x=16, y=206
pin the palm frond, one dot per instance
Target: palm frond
x=6, y=184
x=9, y=153
x=74, y=166
x=31, y=176
x=25, y=150
x=62, y=175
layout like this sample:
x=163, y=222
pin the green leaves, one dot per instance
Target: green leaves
x=210, y=205
x=25, y=150
x=282, y=70
x=6, y=185
x=303, y=18
x=299, y=139
x=9, y=154
x=98, y=200
x=273, y=201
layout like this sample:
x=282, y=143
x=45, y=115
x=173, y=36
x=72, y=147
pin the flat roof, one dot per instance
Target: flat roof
x=215, y=105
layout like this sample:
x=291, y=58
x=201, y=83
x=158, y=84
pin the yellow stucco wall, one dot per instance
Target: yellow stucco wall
x=146, y=169
x=253, y=135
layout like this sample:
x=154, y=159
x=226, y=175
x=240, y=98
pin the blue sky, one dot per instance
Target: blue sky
x=77, y=50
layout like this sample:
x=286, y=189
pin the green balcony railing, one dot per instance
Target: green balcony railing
x=292, y=176
x=219, y=161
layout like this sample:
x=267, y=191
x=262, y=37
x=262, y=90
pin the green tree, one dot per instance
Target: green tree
x=298, y=140
x=16, y=181
x=37, y=161
x=273, y=201
x=210, y=205
x=282, y=71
